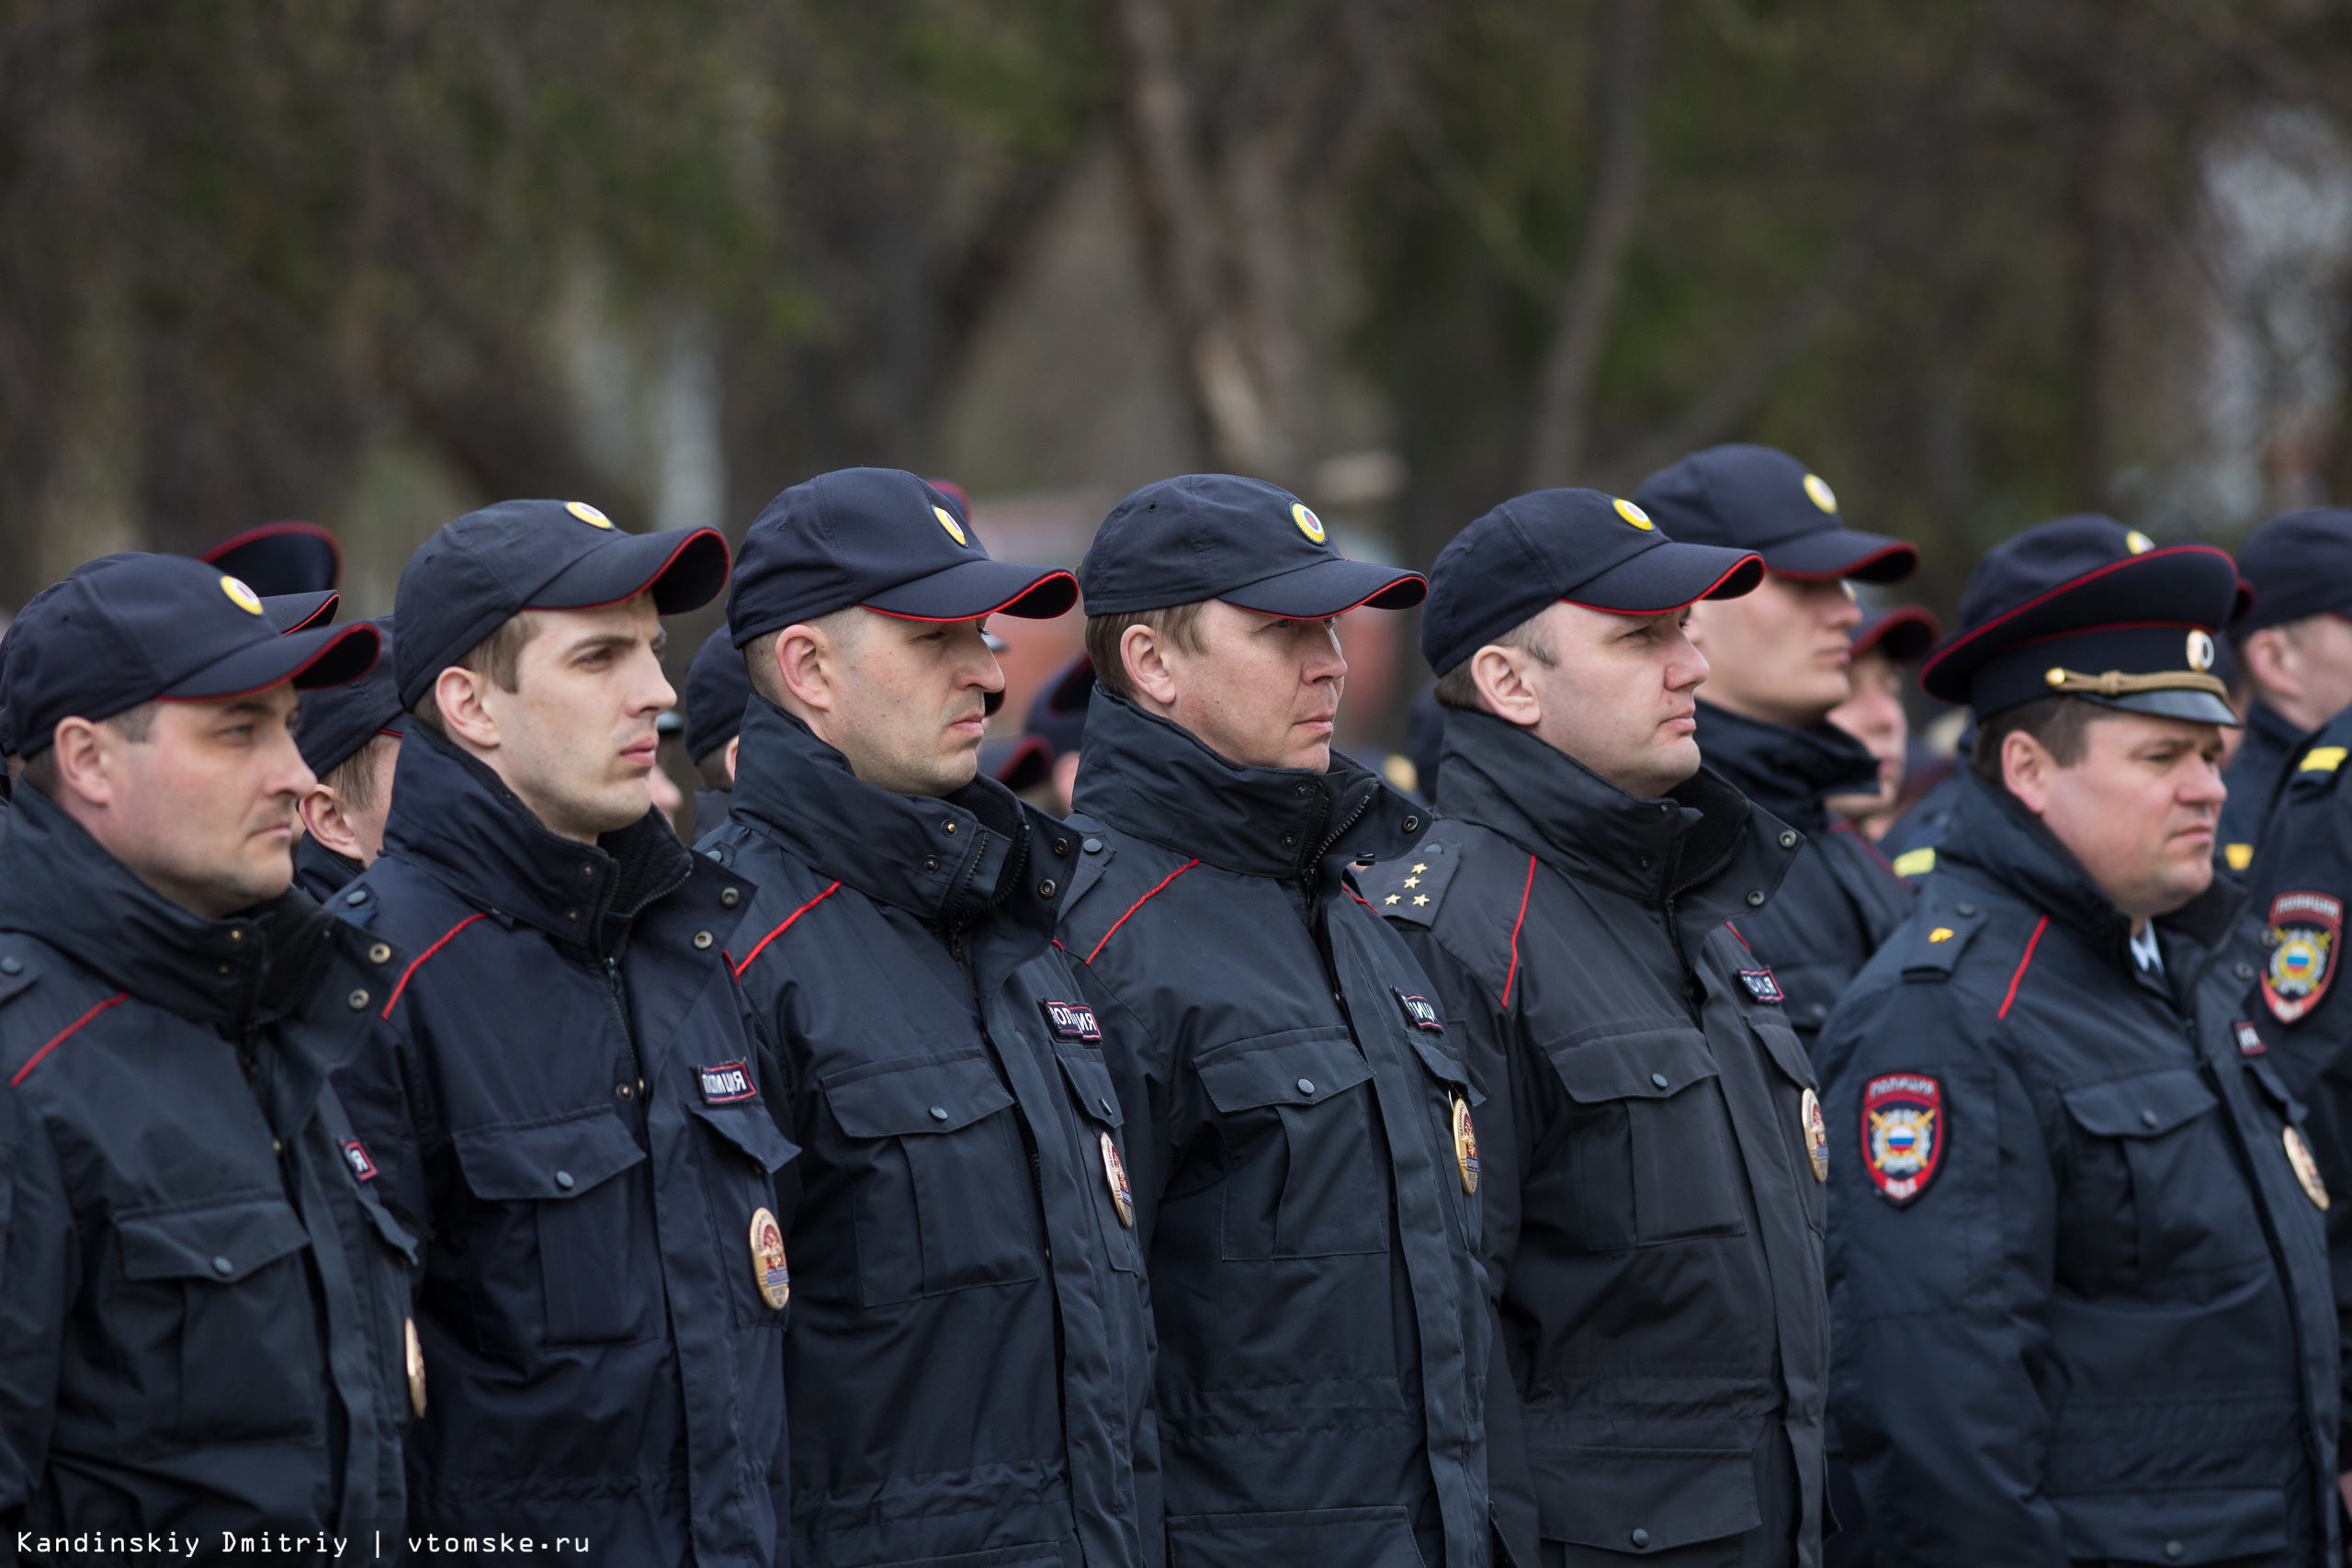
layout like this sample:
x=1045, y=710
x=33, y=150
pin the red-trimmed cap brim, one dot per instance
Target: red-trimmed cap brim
x=1672, y=576
x=301, y=612
x=1831, y=554
x=1903, y=633
x=681, y=570
x=969, y=590
x=1019, y=762
x=329, y=656
x=306, y=551
x=1325, y=588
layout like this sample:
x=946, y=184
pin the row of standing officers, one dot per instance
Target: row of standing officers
x=1627, y=1164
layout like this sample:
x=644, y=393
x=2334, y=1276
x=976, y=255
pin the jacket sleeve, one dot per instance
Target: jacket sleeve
x=39, y=1263
x=1940, y=1304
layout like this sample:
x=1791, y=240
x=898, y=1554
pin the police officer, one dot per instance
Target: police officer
x=1300, y=1157
x=350, y=736
x=1647, y=1172
x=564, y=1087
x=970, y=1338
x=1781, y=659
x=2295, y=651
x=205, y=1306
x=717, y=689
x=1885, y=646
x=2077, y=1272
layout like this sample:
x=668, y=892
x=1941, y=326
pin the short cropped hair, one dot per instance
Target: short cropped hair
x=1458, y=689
x=136, y=725
x=354, y=779
x=1179, y=623
x=498, y=656
x=2061, y=723
x=759, y=659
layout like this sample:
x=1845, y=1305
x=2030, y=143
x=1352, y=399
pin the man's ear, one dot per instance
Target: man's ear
x=804, y=666
x=84, y=749
x=1146, y=658
x=322, y=819
x=1500, y=675
x=458, y=692
x=734, y=745
x=2029, y=770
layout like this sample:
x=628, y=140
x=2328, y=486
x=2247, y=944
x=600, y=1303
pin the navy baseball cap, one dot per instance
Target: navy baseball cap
x=1058, y=713
x=1254, y=545
x=159, y=628
x=2031, y=564
x=885, y=539
x=336, y=721
x=2300, y=564
x=1754, y=498
x=279, y=558
x=301, y=612
x=1903, y=633
x=2135, y=633
x=1574, y=544
x=717, y=685
x=490, y=566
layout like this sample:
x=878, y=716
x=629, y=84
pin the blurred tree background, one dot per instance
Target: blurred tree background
x=372, y=261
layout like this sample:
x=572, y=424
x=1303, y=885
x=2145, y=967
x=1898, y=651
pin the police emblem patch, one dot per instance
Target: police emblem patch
x=1762, y=985
x=727, y=1083
x=1816, y=1134
x=2298, y=1155
x=1420, y=1012
x=2301, y=937
x=1466, y=1144
x=1071, y=1020
x=1114, y=1171
x=1902, y=1135
x=355, y=1154
x=769, y=1268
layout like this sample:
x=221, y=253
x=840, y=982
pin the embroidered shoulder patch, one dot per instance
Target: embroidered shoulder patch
x=727, y=1083
x=2301, y=936
x=1902, y=1135
x=1420, y=1012
x=1762, y=985
x=355, y=1154
x=1071, y=1020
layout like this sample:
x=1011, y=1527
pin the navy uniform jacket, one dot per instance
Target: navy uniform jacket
x=1653, y=1219
x=2261, y=766
x=566, y=1089
x=1323, y=1329
x=320, y=872
x=1841, y=898
x=970, y=1358
x=201, y=1300
x=2078, y=1292
x=2300, y=883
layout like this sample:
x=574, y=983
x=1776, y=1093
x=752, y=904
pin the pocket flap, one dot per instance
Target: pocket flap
x=747, y=1127
x=222, y=1242
x=2210, y=1525
x=562, y=1160
x=1649, y=1064
x=1643, y=1500
x=1089, y=1084
x=2147, y=1106
x=1300, y=1067
x=1781, y=1044
x=1446, y=1068
x=2266, y=1075
x=906, y=1099
x=395, y=1234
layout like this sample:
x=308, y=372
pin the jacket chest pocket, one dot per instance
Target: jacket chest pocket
x=564, y=1183
x=1649, y=1139
x=1106, y=1152
x=1301, y=1177
x=1797, y=1117
x=739, y=1165
x=2153, y=1187
x=221, y=1296
x=942, y=1195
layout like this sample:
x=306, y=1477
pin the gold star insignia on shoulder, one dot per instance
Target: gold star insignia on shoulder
x=1419, y=869
x=1420, y=898
x=1412, y=882
x=1390, y=899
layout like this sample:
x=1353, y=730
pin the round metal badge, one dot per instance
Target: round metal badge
x=1114, y=1171
x=1816, y=1134
x=768, y=1264
x=415, y=1365
x=2298, y=1155
x=1466, y=1144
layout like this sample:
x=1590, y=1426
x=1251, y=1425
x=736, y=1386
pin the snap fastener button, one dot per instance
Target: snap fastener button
x=1788, y=840
x=357, y=896
x=728, y=899
x=572, y=914
x=1307, y=1086
x=948, y=827
x=2245, y=971
x=381, y=952
x=1093, y=846
x=1641, y=1537
x=1045, y=890
x=235, y=935
x=1061, y=846
x=1754, y=899
x=563, y=1179
x=623, y=1091
x=702, y=938
x=930, y=863
x=358, y=1000
x=1411, y=823
x=2174, y=1549
x=1963, y=909
x=223, y=1268
x=1658, y=1078
x=277, y=1147
x=12, y=966
x=1303, y=791
x=1290, y=840
x=939, y=1113
x=2149, y=1119
x=587, y=868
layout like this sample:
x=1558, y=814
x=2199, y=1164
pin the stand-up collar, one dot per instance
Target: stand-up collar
x=59, y=883
x=1151, y=778
x=1992, y=832
x=456, y=818
x=947, y=861
x=1703, y=845
x=1789, y=772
